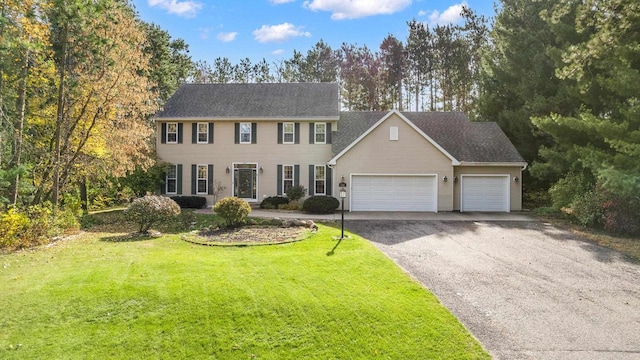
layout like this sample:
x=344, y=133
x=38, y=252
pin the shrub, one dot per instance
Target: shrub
x=232, y=210
x=588, y=210
x=190, y=202
x=12, y=225
x=272, y=202
x=621, y=216
x=320, y=204
x=292, y=205
x=151, y=209
x=296, y=192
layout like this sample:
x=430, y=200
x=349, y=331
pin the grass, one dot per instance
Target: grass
x=164, y=298
x=627, y=245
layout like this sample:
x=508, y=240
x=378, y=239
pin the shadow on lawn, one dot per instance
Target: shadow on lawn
x=132, y=237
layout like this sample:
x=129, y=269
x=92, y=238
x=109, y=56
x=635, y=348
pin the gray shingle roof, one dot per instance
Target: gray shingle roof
x=267, y=100
x=464, y=140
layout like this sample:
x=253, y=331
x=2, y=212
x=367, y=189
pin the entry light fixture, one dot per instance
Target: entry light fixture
x=228, y=170
x=515, y=179
x=455, y=179
x=261, y=169
x=444, y=178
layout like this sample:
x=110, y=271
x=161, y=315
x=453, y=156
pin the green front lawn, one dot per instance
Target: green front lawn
x=165, y=298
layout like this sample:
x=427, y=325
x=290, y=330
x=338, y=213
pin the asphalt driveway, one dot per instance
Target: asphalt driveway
x=526, y=290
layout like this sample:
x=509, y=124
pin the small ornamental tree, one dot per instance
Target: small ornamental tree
x=150, y=210
x=232, y=210
x=296, y=192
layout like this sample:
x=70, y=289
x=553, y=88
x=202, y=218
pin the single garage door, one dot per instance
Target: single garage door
x=393, y=193
x=485, y=193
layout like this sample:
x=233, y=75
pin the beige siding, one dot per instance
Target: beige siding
x=410, y=154
x=223, y=153
x=515, y=194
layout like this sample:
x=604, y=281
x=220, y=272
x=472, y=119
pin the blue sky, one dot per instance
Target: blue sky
x=272, y=29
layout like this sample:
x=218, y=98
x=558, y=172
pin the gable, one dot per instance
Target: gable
x=351, y=125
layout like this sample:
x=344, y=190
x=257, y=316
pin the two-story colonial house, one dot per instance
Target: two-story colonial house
x=257, y=140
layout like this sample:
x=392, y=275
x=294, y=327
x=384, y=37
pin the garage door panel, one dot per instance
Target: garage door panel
x=485, y=193
x=393, y=193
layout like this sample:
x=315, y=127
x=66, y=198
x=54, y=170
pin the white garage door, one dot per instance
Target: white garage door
x=485, y=193
x=393, y=193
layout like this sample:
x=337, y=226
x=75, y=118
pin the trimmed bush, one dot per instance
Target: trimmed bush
x=151, y=209
x=272, y=202
x=190, y=202
x=296, y=192
x=320, y=204
x=232, y=210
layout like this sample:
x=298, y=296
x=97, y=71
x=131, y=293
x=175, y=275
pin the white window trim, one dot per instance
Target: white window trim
x=293, y=133
x=176, y=132
x=315, y=179
x=315, y=133
x=206, y=141
x=250, y=133
x=167, y=178
x=206, y=179
x=293, y=177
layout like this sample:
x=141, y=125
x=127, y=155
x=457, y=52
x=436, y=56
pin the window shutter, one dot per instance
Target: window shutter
x=328, y=135
x=163, y=186
x=237, y=133
x=179, y=181
x=210, y=179
x=254, y=133
x=280, y=132
x=279, y=186
x=180, y=127
x=194, y=179
x=194, y=133
x=296, y=135
x=163, y=133
x=312, y=135
x=312, y=180
x=210, y=133
x=296, y=175
x=328, y=178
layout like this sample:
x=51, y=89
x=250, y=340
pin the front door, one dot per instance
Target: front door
x=245, y=181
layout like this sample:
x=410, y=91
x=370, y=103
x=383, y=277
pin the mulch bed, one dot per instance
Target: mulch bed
x=247, y=235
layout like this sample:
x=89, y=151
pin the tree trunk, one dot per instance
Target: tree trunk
x=84, y=198
x=59, y=121
x=17, y=144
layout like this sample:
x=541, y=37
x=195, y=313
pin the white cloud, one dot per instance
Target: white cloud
x=181, y=8
x=449, y=16
x=422, y=13
x=353, y=9
x=277, y=52
x=278, y=33
x=227, y=37
x=278, y=2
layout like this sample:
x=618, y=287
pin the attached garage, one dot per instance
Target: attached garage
x=394, y=193
x=485, y=193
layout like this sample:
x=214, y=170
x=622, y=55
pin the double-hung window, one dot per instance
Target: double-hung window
x=288, y=133
x=245, y=133
x=172, y=180
x=172, y=133
x=320, y=133
x=202, y=180
x=288, y=177
x=203, y=133
x=320, y=180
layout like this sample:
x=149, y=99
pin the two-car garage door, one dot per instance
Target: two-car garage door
x=393, y=193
